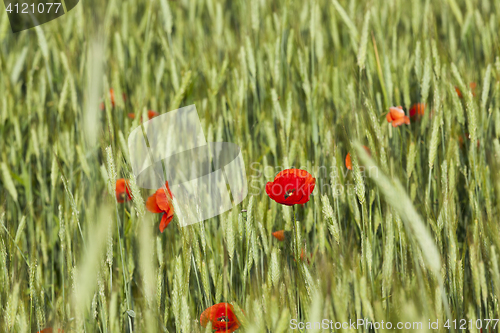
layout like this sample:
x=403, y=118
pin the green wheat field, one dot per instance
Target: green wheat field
x=411, y=234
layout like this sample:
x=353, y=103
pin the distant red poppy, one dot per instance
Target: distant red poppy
x=291, y=187
x=50, y=330
x=112, y=98
x=122, y=190
x=461, y=139
x=159, y=203
x=151, y=114
x=397, y=116
x=472, y=86
x=417, y=109
x=348, y=163
x=305, y=257
x=222, y=318
x=279, y=235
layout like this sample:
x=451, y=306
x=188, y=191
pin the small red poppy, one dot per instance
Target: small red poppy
x=417, y=109
x=461, y=139
x=291, y=187
x=50, y=330
x=122, y=190
x=112, y=98
x=397, y=116
x=279, y=235
x=151, y=114
x=348, y=163
x=472, y=86
x=222, y=317
x=305, y=257
x=159, y=203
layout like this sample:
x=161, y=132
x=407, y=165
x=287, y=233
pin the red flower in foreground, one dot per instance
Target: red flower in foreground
x=472, y=86
x=397, y=116
x=279, y=235
x=291, y=187
x=348, y=163
x=151, y=114
x=417, y=109
x=222, y=317
x=122, y=190
x=159, y=203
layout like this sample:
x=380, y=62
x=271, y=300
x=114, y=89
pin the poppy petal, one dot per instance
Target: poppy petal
x=221, y=316
x=50, y=330
x=152, y=206
x=413, y=110
x=152, y=114
x=279, y=235
x=398, y=122
x=269, y=189
x=121, y=191
x=396, y=113
x=367, y=150
x=348, y=163
x=112, y=96
x=308, y=190
x=291, y=187
x=420, y=109
x=128, y=190
x=165, y=220
x=161, y=198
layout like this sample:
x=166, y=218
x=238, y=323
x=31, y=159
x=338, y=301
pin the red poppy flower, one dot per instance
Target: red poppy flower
x=461, y=139
x=397, y=116
x=348, y=163
x=279, y=235
x=151, y=114
x=159, y=203
x=304, y=257
x=417, y=109
x=222, y=317
x=50, y=330
x=112, y=98
x=122, y=190
x=291, y=187
x=472, y=86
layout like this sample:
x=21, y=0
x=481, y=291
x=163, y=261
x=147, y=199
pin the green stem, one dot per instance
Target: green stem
x=118, y=224
x=429, y=186
x=297, y=258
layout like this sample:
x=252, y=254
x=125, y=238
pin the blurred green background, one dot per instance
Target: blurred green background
x=293, y=83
